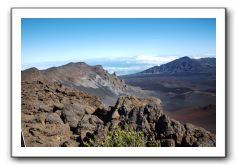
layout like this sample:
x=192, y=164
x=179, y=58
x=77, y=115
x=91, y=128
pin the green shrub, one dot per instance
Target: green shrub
x=123, y=137
x=126, y=137
x=153, y=143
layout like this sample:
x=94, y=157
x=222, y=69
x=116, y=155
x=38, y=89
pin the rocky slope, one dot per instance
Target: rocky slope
x=184, y=65
x=92, y=79
x=59, y=116
x=79, y=74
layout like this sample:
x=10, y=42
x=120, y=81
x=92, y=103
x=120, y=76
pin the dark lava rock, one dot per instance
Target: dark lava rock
x=59, y=116
x=72, y=114
x=198, y=137
x=89, y=125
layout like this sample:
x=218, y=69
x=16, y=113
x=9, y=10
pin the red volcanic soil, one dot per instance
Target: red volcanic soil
x=201, y=116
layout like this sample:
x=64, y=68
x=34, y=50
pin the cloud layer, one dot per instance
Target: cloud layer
x=138, y=63
x=154, y=60
x=122, y=66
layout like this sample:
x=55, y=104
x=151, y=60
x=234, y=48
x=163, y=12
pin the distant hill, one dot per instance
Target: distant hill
x=184, y=65
x=91, y=79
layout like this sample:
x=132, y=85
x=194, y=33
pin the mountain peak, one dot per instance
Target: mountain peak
x=184, y=65
x=75, y=63
x=185, y=57
x=32, y=69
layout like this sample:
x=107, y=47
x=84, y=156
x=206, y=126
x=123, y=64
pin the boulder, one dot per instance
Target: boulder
x=45, y=108
x=53, y=118
x=72, y=114
x=198, y=137
x=89, y=125
x=48, y=135
x=58, y=106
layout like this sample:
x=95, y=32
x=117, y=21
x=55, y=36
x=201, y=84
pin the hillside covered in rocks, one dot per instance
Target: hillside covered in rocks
x=55, y=115
x=92, y=79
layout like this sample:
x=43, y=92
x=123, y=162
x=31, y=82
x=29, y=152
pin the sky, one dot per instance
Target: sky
x=121, y=45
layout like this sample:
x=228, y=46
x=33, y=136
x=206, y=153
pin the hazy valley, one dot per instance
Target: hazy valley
x=184, y=85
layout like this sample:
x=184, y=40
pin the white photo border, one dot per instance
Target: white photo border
x=219, y=13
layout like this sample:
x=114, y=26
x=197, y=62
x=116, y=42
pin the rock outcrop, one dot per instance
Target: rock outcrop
x=59, y=116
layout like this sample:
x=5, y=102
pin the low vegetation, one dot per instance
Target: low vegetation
x=123, y=137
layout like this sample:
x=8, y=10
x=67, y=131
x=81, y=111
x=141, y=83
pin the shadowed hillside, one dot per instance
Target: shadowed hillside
x=184, y=65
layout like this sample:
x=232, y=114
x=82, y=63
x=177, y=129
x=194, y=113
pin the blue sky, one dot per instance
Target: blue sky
x=124, y=45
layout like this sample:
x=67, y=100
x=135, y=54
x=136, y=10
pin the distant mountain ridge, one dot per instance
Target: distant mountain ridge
x=184, y=65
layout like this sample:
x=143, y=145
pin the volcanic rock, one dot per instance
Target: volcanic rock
x=67, y=117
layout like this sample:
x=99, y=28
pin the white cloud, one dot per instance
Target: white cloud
x=197, y=57
x=154, y=60
x=137, y=64
x=204, y=55
x=127, y=70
